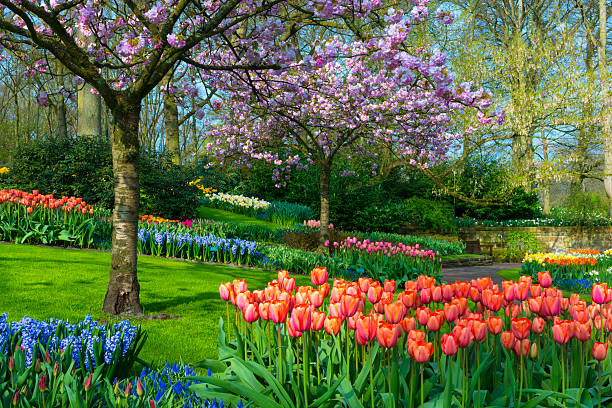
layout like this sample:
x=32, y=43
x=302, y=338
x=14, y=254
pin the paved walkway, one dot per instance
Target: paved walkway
x=467, y=273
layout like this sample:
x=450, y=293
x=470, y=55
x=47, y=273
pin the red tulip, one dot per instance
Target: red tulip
x=436, y=294
x=422, y=351
x=598, y=293
x=292, y=331
x=495, y=324
x=537, y=325
x=462, y=304
x=352, y=320
x=579, y=312
x=374, y=294
x=394, y=312
x=318, y=276
x=535, y=290
x=551, y=306
x=521, y=290
x=495, y=302
x=316, y=298
x=87, y=383
x=425, y=295
x=332, y=325
x=409, y=298
x=464, y=336
x=475, y=295
x=324, y=288
x=544, y=279
x=449, y=344
x=520, y=327
x=16, y=398
x=509, y=291
x=535, y=304
x=42, y=383
x=139, y=389
x=507, y=340
x=448, y=291
x=387, y=334
x=600, y=351
x=366, y=327
x=278, y=311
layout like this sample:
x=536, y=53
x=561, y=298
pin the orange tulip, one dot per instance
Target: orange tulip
x=324, y=288
x=451, y=312
x=582, y=331
x=335, y=310
x=318, y=276
x=387, y=334
x=264, y=310
x=520, y=327
x=390, y=286
x=422, y=351
x=282, y=275
x=479, y=330
x=462, y=289
x=352, y=320
x=521, y=290
x=410, y=285
x=462, y=304
x=337, y=293
x=292, y=331
x=288, y=284
x=561, y=332
x=374, y=294
x=537, y=325
x=475, y=295
x=464, y=336
x=495, y=302
x=242, y=299
x=484, y=283
x=579, y=312
x=409, y=297
x=521, y=347
x=366, y=327
x=535, y=304
x=495, y=324
x=278, y=311
x=425, y=295
x=250, y=312
x=422, y=315
x=408, y=324
x=395, y=312
x=509, y=291
x=332, y=325
x=364, y=284
x=507, y=340
x=551, y=306
x=349, y=304
x=600, y=351
x=301, y=317
x=449, y=344
x=240, y=285
x=536, y=290
x=435, y=321
x=316, y=298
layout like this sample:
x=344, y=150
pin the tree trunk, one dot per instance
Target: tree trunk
x=61, y=129
x=324, y=180
x=545, y=183
x=606, y=110
x=123, y=294
x=89, y=113
x=522, y=158
x=171, y=123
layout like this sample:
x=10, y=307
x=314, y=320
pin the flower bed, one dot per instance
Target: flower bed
x=579, y=268
x=57, y=364
x=366, y=344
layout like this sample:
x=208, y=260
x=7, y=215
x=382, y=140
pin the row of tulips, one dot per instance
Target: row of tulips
x=570, y=266
x=467, y=344
x=37, y=218
x=385, y=260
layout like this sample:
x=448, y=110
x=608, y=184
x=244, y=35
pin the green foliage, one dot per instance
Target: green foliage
x=431, y=215
x=442, y=246
x=82, y=167
x=520, y=242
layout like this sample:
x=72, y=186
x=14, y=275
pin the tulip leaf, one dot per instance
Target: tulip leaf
x=347, y=391
x=328, y=394
x=237, y=389
x=272, y=381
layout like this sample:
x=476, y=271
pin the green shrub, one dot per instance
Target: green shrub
x=82, y=167
x=519, y=243
x=430, y=215
x=442, y=246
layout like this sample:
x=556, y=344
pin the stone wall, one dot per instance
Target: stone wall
x=550, y=238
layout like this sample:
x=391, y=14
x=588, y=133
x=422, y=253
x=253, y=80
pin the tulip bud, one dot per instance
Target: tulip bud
x=47, y=357
x=37, y=365
x=139, y=389
x=87, y=384
x=42, y=383
x=128, y=388
x=11, y=364
x=16, y=398
x=55, y=368
x=533, y=351
x=151, y=403
x=116, y=387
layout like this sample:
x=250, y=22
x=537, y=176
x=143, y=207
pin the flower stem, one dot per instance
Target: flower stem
x=421, y=385
x=304, y=354
x=280, y=355
x=371, y=377
x=521, y=382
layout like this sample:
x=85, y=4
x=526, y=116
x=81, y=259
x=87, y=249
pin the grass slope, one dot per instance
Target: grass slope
x=227, y=216
x=43, y=282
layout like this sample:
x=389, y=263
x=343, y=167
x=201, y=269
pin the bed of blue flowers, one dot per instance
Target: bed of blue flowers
x=86, y=364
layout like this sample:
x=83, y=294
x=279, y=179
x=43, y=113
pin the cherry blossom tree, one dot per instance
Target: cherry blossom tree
x=346, y=99
x=124, y=49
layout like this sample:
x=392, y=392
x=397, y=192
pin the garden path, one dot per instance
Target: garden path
x=467, y=273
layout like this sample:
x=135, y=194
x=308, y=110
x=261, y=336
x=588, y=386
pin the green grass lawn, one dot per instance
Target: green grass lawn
x=43, y=282
x=515, y=273
x=227, y=216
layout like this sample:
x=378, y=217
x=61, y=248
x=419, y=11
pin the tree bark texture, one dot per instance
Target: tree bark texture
x=606, y=110
x=89, y=113
x=123, y=293
x=324, y=181
x=59, y=113
x=171, y=122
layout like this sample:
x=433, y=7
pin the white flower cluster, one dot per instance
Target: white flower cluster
x=238, y=200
